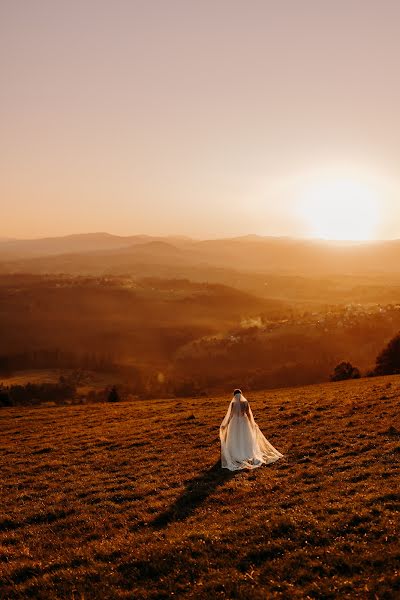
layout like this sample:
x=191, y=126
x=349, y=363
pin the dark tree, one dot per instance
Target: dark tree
x=5, y=399
x=388, y=361
x=345, y=370
x=113, y=395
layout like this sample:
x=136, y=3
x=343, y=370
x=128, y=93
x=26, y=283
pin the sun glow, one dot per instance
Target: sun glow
x=340, y=209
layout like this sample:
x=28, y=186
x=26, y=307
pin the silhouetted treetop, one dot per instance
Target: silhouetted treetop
x=345, y=370
x=388, y=361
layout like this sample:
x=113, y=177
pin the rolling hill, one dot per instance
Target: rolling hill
x=75, y=243
x=102, y=252
x=128, y=500
x=142, y=322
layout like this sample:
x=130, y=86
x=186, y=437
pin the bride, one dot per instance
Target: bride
x=242, y=443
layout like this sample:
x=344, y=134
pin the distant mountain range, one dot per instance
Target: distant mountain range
x=99, y=253
x=75, y=243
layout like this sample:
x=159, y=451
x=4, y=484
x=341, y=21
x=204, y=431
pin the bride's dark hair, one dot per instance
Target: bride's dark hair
x=237, y=392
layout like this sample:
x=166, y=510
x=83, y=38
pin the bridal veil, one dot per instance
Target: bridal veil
x=242, y=443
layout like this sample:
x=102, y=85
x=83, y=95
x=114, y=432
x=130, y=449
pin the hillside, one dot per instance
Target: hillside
x=300, y=272
x=168, y=262
x=143, y=321
x=128, y=500
x=179, y=337
x=75, y=243
x=99, y=253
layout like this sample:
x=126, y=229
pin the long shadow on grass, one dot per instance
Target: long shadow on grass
x=197, y=491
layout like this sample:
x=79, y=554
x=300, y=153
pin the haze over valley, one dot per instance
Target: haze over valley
x=176, y=315
x=197, y=197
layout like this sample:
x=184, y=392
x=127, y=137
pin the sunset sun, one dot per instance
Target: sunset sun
x=340, y=209
x=199, y=299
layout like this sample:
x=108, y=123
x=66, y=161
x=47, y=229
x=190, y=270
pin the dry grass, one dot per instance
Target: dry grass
x=96, y=380
x=128, y=500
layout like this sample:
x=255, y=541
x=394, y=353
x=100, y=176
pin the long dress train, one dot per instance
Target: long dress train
x=242, y=443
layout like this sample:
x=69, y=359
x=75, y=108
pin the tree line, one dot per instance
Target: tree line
x=175, y=384
x=53, y=358
x=387, y=363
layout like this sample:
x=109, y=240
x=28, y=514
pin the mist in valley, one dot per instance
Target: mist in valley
x=169, y=316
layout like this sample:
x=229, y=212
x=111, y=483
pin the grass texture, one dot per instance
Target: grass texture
x=129, y=501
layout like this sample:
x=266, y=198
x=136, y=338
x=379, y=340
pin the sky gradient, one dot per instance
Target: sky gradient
x=211, y=118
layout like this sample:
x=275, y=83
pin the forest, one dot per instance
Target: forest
x=176, y=337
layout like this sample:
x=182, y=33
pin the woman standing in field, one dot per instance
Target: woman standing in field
x=243, y=446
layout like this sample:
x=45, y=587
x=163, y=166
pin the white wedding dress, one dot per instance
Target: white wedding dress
x=242, y=443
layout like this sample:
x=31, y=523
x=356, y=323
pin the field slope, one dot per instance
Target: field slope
x=128, y=500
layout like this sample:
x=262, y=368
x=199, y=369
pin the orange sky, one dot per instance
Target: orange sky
x=206, y=118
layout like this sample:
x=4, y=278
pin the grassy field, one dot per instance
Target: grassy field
x=95, y=380
x=85, y=381
x=128, y=500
